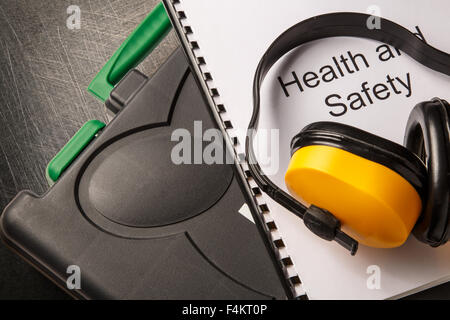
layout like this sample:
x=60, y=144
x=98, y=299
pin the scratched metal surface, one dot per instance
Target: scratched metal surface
x=45, y=69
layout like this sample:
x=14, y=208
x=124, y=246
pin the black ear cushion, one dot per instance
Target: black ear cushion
x=427, y=135
x=366, y=145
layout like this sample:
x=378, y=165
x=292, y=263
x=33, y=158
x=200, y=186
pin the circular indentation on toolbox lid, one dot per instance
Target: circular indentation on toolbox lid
x=134, y=182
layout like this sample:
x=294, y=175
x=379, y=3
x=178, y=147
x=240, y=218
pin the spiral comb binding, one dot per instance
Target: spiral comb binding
x=270, y=228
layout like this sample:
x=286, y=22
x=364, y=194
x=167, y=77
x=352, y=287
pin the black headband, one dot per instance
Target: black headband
x=320, y=27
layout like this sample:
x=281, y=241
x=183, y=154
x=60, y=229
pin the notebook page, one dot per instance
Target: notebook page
x=233, y=35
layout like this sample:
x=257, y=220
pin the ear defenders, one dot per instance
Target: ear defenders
x=376, y=190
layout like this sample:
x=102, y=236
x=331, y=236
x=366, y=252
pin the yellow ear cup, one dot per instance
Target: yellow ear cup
x=375, y=204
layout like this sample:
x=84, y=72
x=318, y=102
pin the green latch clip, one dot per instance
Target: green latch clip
x=72, y=149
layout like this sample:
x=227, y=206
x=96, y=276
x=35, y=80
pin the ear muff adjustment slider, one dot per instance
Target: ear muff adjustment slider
x=325, y=225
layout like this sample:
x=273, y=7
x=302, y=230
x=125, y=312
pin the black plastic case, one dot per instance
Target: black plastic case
x=139, y=226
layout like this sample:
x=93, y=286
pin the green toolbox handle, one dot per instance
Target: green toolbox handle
x=136, y=48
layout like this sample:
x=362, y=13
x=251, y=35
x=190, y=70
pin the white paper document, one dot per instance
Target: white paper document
x=359, y=82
